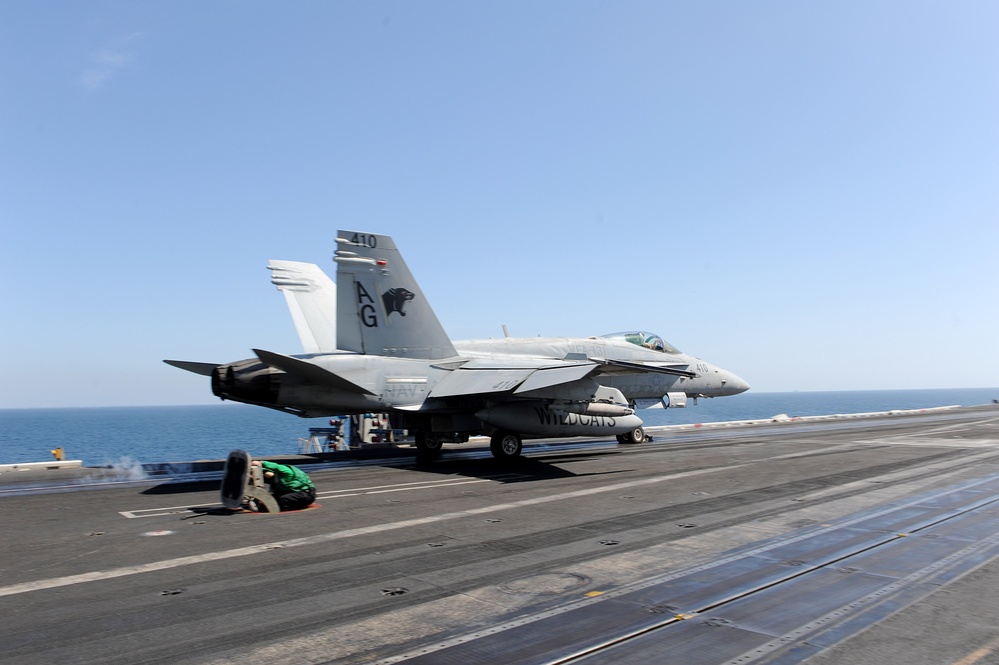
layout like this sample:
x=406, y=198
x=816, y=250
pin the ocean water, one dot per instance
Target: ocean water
x=129, y=435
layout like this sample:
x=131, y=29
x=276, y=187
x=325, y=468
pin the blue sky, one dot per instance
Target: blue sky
x=804, y=193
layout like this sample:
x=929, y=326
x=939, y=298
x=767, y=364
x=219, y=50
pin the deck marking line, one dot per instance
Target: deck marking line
x=977, y=655
x=125, y=571
x=871, y=599
x=328, y=494
x=684, y=572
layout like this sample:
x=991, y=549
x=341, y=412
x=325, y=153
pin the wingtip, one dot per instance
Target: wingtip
x=204, y=369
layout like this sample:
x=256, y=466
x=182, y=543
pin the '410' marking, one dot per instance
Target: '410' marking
x=365, y=239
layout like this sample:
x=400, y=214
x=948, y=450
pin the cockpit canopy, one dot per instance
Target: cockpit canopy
x=645, y=340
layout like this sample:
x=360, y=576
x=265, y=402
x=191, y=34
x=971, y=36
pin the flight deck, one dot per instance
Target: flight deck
x=835, y=541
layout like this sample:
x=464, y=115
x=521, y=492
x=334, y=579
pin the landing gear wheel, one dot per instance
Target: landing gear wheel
x=636, y=435
x=428, y=446
x=505, y=445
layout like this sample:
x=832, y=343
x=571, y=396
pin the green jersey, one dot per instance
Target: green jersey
x=288, y=478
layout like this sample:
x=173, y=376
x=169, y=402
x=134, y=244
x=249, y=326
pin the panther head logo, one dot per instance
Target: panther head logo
x=395, y=299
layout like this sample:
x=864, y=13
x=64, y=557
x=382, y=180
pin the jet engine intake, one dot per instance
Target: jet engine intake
x=669, y=400
x=604, y=401
x=675, y=400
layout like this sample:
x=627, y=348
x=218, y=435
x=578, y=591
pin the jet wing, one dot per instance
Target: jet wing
x=479, y=382
x=480, y=377
x=625, y=367
x=545, y=377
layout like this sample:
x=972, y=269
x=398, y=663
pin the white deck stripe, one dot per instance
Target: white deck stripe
x=166, y=564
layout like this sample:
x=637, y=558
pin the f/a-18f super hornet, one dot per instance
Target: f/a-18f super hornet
x=392, y=355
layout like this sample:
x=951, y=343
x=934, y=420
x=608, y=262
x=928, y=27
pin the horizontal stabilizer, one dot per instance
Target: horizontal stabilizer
x=642, y=367
x=205, y=369
x=309, y=371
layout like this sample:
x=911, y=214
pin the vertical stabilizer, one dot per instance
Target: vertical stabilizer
x=380, y=308
x=311, y=297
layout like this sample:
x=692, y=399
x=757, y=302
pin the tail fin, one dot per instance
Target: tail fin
x=380, y=308
x=311, y=297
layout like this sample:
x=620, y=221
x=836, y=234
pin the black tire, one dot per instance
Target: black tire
x=505, y=445
x=428, y=446
x=636, y=435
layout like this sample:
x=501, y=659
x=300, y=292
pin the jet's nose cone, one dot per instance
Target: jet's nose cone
x=733, y=385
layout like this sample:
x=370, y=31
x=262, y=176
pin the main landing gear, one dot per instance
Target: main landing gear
x=428, y=446
x=505, y=445
x=636, y=435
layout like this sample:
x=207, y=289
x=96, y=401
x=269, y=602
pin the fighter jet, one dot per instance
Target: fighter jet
x=392, y=355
